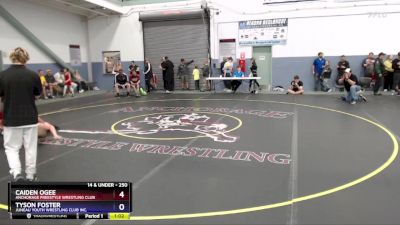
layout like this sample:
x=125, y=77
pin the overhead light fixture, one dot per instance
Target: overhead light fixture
x=276, y=2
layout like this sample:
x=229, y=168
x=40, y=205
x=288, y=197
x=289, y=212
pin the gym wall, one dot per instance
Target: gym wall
x=55, y=28
x=122, y=34
x=352, y=31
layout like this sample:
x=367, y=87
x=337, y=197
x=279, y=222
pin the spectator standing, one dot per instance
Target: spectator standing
x=68, y=82
x=183, y=73
x=396, y=73
x=388, y=78
x=222, y=65
x=368, y=65
x=18, y=88
x=342, y=65
x=43, y=82
x=148, y=75
x=206, y=73
x=163, y=67
x=169, y=74
x=253, y=70
x=196, y=77
x=326, y=76
x=379, y=69
x=317, y=69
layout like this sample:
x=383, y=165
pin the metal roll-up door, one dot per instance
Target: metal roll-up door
x=176, y=39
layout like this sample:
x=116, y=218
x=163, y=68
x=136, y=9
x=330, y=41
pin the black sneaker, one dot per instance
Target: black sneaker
x=34, y=179
x=19, y=178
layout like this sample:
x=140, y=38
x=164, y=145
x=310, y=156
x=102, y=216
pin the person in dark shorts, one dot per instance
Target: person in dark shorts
x=183, y=73
x=206, y=73
x=296, y=86
x=18, y=88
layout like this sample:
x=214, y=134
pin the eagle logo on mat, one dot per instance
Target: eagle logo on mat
x=195, y=123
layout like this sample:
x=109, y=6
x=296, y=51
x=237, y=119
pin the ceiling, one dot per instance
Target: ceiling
x=94, y=8
x=80, y=7
x=143, y=2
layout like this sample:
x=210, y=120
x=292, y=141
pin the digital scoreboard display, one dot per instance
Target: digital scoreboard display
x=70, y=200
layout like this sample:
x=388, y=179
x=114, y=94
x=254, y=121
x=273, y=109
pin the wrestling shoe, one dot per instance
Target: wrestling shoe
x=19, y=178
x=32, y=179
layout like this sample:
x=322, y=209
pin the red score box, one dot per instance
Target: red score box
x=122, y=194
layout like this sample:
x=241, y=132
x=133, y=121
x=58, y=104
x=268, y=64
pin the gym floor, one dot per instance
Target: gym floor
x=229, y=159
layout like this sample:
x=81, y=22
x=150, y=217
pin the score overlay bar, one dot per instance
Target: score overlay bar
x=66, y=200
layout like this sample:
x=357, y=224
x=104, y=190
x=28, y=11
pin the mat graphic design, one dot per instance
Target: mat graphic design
x=176, y=119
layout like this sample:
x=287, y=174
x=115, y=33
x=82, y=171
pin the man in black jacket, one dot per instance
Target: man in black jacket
x=379, y=69
x=18, y=88
x=396, y=76
x=169, y=75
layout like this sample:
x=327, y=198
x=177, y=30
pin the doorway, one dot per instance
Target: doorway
x=263, y=56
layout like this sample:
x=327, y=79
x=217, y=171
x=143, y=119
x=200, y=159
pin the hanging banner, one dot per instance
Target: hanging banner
x=75, y=55
x=263, y=32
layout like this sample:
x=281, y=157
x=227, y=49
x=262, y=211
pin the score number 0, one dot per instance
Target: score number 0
x=121, y=195
x=121, y=206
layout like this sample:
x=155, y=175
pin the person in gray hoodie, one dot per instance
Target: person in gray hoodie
x=183, y=73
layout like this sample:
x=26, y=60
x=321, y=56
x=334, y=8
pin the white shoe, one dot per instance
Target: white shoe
x=167, y=92
x=96, y=89
x=330, y=90
x=385, y=90
x=81, y=91
x=353, y=102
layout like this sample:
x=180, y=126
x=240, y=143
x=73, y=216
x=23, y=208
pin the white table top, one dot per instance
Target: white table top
x=233, y=78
